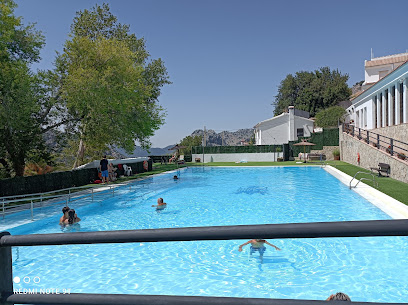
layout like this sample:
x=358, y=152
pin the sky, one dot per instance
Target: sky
x=227, y=58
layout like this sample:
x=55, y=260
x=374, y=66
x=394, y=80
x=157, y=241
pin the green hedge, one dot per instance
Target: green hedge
x=237, y=149
x=48, y=182
x=329, y=137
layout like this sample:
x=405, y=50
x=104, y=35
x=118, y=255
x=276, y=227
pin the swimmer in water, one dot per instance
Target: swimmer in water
x=175, y=177
x=257, y=245
x=160, y=205
x=72, y=218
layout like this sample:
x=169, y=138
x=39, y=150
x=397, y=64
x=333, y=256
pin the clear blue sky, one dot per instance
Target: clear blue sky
x=227, y=58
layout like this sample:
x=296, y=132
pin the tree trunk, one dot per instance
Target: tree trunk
x=80, y=154
x=18, y=165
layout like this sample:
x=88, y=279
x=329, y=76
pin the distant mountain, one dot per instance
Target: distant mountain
x=139, y=152
x=226, y=137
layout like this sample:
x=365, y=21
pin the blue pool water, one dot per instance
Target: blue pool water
x=368, y=269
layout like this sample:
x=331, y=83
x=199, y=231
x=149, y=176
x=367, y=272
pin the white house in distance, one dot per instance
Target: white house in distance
x=284, y=128
x=384, y=99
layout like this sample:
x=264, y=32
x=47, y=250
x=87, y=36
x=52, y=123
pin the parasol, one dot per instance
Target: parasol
x=304, y=144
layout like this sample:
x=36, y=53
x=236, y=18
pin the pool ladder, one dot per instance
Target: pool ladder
x=375, y=183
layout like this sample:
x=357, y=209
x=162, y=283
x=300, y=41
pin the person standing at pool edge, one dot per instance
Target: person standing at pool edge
x=257, y=245
x=104, y=169
x=160, y=205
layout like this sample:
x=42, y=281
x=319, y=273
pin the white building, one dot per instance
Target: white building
x=384, y=99
x=283, y=128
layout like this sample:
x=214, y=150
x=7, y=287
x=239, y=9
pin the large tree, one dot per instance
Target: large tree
x=109, y=85
x=21, y=93
x=312, y=91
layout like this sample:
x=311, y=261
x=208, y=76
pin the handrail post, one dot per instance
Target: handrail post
x=6, y=271
x=378, y=141
x=392, y=146
x=32, y=210
x=352, y=132
x=368, y=137
x=359, y=133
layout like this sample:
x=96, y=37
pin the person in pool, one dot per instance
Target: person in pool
x=339, y=296
x=257, y=245
x=175, y=177
x=64, y=214
x=72, y=218
x=160, y=205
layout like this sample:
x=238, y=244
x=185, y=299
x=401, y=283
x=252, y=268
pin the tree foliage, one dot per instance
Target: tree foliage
x=189, y=142
x=20, y=91
x=312, y=91
x=330, y=117
x=108, y=84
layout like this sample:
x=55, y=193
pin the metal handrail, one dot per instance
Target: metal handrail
x=375, y=183
x=69, y=197
x=366, y=135
x=272, y=231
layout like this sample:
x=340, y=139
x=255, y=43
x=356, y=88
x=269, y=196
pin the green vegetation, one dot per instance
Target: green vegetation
x=394, y=188
x=109, y=85
x=21, y=95
x=103, y=92
x=189, y=142
x=329, y=137
x=312, y=91
x=336, y=153
x=330, y=117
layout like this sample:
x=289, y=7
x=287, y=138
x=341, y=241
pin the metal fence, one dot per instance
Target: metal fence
x=387, y=144
x=271, y=231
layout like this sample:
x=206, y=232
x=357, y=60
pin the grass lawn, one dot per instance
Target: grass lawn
x=389, y=186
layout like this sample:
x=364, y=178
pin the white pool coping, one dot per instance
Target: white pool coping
x=387, y=204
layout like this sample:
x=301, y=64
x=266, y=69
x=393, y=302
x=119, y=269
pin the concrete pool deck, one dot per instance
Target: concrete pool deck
x=387, y=204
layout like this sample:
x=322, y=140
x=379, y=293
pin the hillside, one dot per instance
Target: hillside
x=225, y=137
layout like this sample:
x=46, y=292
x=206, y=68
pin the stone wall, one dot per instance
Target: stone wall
x=327, y=150
x=370, y=156
x=397, y=132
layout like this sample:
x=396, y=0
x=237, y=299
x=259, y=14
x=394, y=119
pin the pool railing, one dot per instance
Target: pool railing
x=9, y=296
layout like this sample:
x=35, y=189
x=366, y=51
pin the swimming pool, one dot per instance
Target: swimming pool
x=368, y=269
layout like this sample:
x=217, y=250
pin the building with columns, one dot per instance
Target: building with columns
x=383, y=101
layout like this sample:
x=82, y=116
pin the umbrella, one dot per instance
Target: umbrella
x=304, y=144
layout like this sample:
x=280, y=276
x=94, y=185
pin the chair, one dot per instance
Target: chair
x=127, y=169
x=382, y=168
x=181, y=160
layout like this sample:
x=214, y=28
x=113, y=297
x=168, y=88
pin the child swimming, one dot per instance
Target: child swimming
x=257, y=245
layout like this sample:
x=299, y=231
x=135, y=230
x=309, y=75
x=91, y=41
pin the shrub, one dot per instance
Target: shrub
x=330, y=117
x=336, y=153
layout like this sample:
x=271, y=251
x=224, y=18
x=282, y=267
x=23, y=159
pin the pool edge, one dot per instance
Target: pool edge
x=389, y=205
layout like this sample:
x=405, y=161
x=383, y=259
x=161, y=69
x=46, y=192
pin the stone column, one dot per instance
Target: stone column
x=405, y=100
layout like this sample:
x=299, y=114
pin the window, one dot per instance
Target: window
x=300, y=132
